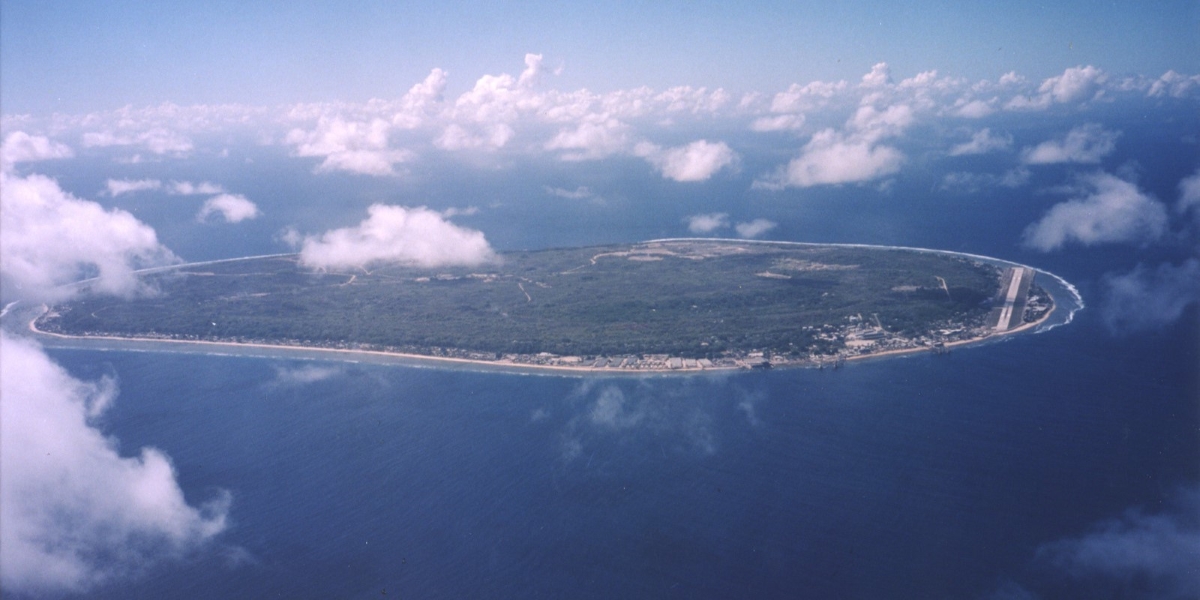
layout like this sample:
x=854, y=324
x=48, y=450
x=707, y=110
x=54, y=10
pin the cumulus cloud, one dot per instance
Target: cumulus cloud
x=347, y=145
x=1189, y=195
x=696, y=161
x=975, y=109
x=806, y=97
x=1109, y=210
x=880, y=75
x=1086, y=144
x=233, y=208
x=1142, y=554
x=778, y=123
x=594, y=137
x=49, y=238
x=982, y=142
x=187, y=188
x=291, y=377
x=116, y=187
x=833, y=158
x=396, y=234
x=1174, y=85
x=707, y=223
x=1076, y=84
x=580, y=193
x=76, y=513
x=962, y=181
x=755, y=228
x=1146, y=298
x=158, y=140
x=21, y=147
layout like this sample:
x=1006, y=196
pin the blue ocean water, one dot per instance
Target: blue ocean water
x=926, y=476
x=915, y=477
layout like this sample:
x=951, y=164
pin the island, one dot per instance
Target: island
x=662, y=305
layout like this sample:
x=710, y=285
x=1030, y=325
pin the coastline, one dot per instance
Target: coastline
x=508, y=366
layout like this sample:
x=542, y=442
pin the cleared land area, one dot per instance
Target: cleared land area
x=655, y=305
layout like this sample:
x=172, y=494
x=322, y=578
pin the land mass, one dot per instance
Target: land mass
x=652, y=306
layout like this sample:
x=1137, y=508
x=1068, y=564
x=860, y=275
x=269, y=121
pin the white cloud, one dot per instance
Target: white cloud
x=234, y=208
x=755, y=228
x=116, y=187
x=707, y=223
x=356, y=147
x=1174, y=85
x=396, y=234
x=49, y=238
x=158, y=140
x=77, y=514
x=696, y=161
x=1153, y=553
x=961, y=181
x=982, y=142
x=975, y=109
x=187, y=188
x=21, y=147
x=1087, y=144
x=1189, y=195
x=595, y=137
x=492, y=137
x=1150, y=299
x=790, y=122
x=806, y=97
x=579, y=193
x=304, y=375
x=880, y=75
x=1111, y=210
x=1075, y=85
x=832, y=158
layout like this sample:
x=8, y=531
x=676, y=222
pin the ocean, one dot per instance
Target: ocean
x=956, y=476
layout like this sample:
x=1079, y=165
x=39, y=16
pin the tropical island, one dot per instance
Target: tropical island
x=661, y=305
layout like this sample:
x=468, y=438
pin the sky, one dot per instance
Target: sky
x=76, y=56
x=110, y=112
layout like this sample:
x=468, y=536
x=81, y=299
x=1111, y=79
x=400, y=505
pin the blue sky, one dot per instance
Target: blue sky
x=82, y=56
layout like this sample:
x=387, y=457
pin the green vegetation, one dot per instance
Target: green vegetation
x=684, y=298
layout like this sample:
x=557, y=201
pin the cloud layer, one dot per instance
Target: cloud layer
x=396, y=234
x=76, y=513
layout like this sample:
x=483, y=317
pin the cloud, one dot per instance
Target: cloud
x=1147, y=299
x=962, y=181
x=1076, y=84
x=595, y=137
x=1139, y=554
x=755, y=228
x=158, y=140
x=21, y=147
x=880, y=75
x=1174, y=85
x=76, y=513
x=305, y=375
x=1111, y=210
x=1189, y=195
x=832, y=158
x=234, y=208
x=187, y=188
x=1087, y=144
x=707, y=223
x=982, y=142
x=806, y=97
x=346, y=145
x=579, y=193
x=778, y=123
x=697, y=161
x=49, y=238
x=396, y=234
x=116, y=187
x=975, y=109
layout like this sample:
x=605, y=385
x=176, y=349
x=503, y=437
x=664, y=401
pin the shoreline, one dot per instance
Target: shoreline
x=515, y=367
